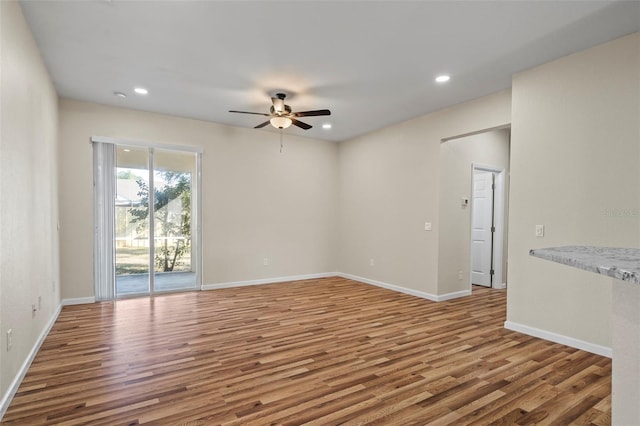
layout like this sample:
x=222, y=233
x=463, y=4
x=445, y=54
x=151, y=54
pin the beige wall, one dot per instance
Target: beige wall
x=28, y=193
x=456, y=159
x=260, y=203
x=256, y=201
x=575, y=169
x=389, y=189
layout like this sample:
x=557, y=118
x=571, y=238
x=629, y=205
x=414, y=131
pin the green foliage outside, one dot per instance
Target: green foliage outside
x=127, y=174
x=132, y=260
x=172, y=207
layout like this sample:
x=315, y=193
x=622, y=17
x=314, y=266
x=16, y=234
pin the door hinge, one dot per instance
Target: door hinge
x=493, y=229
x=491, y=272
x=493, y=186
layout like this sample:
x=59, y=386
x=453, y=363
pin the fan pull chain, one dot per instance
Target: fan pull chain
x=280, y=141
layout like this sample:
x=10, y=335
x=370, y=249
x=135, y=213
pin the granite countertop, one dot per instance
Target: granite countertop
x=619, y=263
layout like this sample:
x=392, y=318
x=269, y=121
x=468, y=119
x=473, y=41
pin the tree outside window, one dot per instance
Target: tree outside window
x=172, y=207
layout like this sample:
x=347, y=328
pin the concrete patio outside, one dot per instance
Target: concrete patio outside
x=130, y=284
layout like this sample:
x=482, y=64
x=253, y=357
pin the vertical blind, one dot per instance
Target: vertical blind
x=104, y=193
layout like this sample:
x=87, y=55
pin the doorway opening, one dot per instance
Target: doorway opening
x=478, y=155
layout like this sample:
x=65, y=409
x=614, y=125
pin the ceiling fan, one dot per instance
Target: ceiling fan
x=282, y=116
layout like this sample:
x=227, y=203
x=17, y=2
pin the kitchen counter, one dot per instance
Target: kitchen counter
x=623, y=265
x=620, y=263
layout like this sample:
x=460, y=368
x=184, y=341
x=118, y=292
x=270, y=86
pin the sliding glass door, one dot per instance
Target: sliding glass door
x=131, y=242
x=155, y=220
x=174, y=261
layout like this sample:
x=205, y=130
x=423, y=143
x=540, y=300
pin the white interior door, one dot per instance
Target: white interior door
x=481, y=224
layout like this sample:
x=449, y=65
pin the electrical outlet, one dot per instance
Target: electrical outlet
x=427, y=226
x=9, y=339
x=460, y=275
x=371, y=262
x=539, y=230
x=265, y=261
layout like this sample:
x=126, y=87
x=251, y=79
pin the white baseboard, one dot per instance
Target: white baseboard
x=15, y=384
x=454, y=295
x=421, y=294
x=269, y=280
x=78, y=301
x=500, y=286
x=559, y=338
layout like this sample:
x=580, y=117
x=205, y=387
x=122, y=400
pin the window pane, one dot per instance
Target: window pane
x=132, y=221
x=174, y=257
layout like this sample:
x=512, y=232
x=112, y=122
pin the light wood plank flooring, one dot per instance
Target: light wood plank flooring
x=327, y=351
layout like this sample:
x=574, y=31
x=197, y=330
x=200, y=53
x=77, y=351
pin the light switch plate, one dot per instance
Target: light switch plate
x=539, y=230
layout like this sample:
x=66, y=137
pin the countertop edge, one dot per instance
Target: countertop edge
x=599, y=260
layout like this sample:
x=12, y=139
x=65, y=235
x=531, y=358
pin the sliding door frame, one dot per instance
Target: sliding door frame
x=196, y=239
x=152, y=222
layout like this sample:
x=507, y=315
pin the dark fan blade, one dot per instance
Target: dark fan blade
x=311, y=113
x=247, y=112
x=300, y=124
x=261, y=125
x=278, y=104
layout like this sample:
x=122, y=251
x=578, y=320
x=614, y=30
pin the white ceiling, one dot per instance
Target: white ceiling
x=372, y=63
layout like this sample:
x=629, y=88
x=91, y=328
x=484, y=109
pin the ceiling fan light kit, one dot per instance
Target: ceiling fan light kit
x=281, y=122
x=282, y=116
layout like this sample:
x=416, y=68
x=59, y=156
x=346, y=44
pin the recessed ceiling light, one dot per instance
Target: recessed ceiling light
x=126, y=150
x=442, y=78
x=326, y=126
x=120, y=94
x=141, y=90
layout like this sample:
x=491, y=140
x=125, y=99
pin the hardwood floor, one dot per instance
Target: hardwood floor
x=326, y=351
